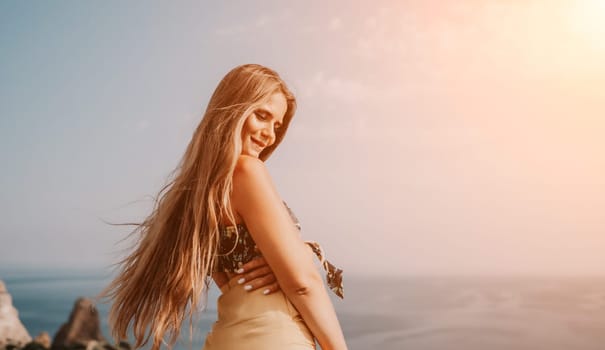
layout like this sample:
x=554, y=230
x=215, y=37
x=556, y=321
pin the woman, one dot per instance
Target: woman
x=220, y=212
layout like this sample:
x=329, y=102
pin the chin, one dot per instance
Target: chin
x=251, y=153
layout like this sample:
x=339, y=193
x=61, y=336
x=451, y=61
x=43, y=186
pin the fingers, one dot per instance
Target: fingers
x=273, y=287
x=265, y=282
x=255, y=268
x=253, y=264
x=257, y=274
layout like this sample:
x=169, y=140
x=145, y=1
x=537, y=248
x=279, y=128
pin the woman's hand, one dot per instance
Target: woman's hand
x=257, y=274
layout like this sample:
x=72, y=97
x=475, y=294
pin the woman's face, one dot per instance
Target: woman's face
x=259, y=128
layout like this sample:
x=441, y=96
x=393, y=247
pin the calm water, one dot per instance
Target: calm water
x=396, y=313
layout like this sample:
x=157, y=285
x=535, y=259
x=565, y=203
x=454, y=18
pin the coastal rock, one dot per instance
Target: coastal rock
x=43, y=339
x=34, y=345
x=82, y=328
x=12, y=331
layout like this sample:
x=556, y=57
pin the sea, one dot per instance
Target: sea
x=419, y=313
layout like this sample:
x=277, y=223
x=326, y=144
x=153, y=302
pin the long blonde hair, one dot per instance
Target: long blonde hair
x=175, y=252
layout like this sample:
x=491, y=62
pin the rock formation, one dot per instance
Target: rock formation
x=81, y=332
x=43, y=339
x=12, y=331
x=82, y=328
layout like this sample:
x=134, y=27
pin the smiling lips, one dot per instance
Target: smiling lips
x=261, y=145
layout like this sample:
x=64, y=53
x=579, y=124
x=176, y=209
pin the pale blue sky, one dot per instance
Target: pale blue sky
x=431, y=137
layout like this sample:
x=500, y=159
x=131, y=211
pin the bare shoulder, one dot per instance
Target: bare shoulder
x=248, y=166
x=251, y=179
x=249, y=172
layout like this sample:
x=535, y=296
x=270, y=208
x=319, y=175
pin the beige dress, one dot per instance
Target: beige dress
x=252, y=320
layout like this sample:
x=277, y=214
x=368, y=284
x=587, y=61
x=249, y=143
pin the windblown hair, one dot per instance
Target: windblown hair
x=175, y=252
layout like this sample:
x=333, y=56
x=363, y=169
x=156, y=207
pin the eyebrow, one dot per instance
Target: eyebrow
x=270, y=114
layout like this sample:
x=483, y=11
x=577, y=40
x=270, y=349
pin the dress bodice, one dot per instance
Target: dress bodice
x=237, y=247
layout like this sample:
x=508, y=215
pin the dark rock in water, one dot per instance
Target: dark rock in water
x=34, y=345
x=82, y=328
x=12, y=331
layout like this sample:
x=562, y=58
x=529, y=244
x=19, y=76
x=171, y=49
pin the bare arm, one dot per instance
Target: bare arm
x=271, y=227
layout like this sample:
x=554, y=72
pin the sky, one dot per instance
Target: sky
x=431, y=137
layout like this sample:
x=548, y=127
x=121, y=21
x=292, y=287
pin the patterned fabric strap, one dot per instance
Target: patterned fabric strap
x=333, y=274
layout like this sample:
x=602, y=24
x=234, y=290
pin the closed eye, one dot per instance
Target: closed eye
x=263, y=114
x=260, y=116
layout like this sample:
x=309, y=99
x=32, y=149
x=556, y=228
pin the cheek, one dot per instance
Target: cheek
x=251, y=126
x=247, y=128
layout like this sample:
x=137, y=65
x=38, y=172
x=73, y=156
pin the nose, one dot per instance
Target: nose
x=268, y=134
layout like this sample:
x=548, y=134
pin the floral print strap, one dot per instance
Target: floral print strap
x=333, y=274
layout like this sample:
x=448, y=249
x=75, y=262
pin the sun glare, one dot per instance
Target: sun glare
x=588, y=21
